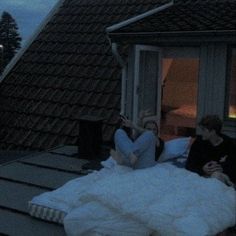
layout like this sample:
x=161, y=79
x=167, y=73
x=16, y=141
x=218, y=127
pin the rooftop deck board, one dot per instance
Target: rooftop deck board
x=66, y=150
x=35, y=175
x=15, y=196
x=29, y=176
x=16, y=224
x=56, y=161
x=9, y=156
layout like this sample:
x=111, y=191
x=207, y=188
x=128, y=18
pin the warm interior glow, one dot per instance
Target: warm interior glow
x=232, y=85
x=179, y=96
x=232, y=112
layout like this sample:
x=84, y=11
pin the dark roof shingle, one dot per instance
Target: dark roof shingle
x=68, y=71
x=188, y=16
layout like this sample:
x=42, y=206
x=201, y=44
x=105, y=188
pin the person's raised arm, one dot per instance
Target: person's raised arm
x=128, y=123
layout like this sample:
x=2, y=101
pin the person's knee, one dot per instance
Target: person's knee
x=119, y=133
x=149, y=135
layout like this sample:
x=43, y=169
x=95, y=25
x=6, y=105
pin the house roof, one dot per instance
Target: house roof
x=68, y=71
x=29, y=176
x=187, y=16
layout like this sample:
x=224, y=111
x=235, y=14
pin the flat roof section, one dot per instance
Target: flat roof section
x=29, y=176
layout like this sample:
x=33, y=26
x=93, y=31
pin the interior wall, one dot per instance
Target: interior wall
x=233, y=81
x=180, y=83
x=232, y=90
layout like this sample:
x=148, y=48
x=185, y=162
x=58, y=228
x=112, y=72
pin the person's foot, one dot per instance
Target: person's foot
x=133, y=159
x=116, y=157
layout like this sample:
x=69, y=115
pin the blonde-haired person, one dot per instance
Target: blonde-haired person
x=141, y=152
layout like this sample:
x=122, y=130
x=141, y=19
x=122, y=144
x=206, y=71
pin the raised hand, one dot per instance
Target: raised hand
x=126, y=122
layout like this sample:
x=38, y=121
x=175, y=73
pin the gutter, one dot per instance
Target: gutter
x=176, y=33
x=122, y=63
x=16, y=58
x=138, y=17
x=115, y=52
x=117, y=26
x=114, y=46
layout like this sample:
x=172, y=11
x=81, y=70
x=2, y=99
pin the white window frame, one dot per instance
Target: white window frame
x=138, y=49
x=124, y=89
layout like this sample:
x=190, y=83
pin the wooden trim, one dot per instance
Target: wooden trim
x=138, y=17
x=173, y=38
x=123, y=89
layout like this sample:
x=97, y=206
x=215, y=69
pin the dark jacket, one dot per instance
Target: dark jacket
x=202, y=152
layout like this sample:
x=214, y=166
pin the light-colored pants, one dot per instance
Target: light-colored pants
x=143, y=147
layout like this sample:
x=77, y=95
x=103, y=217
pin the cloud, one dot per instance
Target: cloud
x=29, y=5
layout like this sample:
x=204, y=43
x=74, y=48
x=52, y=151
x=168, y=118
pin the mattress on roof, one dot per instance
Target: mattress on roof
x=46, y=213
x=54, y=205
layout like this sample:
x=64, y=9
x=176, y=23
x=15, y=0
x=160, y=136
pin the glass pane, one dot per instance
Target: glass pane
x=148, y=81
x=232, y=86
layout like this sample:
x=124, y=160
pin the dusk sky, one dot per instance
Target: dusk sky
x=27, y=13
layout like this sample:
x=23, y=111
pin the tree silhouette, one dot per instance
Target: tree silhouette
x=9, y=39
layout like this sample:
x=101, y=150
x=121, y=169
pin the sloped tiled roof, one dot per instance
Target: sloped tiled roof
x=68, y=71
x=187, y=16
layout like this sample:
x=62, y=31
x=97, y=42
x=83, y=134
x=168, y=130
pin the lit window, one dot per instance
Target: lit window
x=231, y=113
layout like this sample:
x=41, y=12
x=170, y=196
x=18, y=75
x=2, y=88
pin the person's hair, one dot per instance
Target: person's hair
x=211, y=122
x=151, y=122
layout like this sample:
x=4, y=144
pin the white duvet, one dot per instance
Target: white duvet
x=162, y=200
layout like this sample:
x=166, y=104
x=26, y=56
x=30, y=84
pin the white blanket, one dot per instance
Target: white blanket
x=162, y=200
x=67, y=197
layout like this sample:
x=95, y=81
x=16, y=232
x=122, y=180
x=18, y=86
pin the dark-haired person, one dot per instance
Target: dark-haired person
x=213, y=154
x=144, y=151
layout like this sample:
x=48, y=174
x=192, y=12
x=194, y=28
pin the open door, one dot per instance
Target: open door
x=180, y=72
x=147, y=81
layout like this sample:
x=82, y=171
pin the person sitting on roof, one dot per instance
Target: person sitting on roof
x=144, y=151
x=213, y=154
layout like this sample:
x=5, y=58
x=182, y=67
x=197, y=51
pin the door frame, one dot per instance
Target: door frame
x=137, y=51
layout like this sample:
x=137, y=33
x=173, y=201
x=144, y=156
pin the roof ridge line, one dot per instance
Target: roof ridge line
x=18, y=55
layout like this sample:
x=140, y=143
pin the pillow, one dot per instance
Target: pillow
x=175, y=148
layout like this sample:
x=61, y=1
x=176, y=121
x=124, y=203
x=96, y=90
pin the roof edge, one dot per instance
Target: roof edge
x=171, y=33
x=138, y=17
x=18, y=55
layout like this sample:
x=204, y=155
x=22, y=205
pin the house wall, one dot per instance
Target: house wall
x=211, y=83
x=211, y=93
